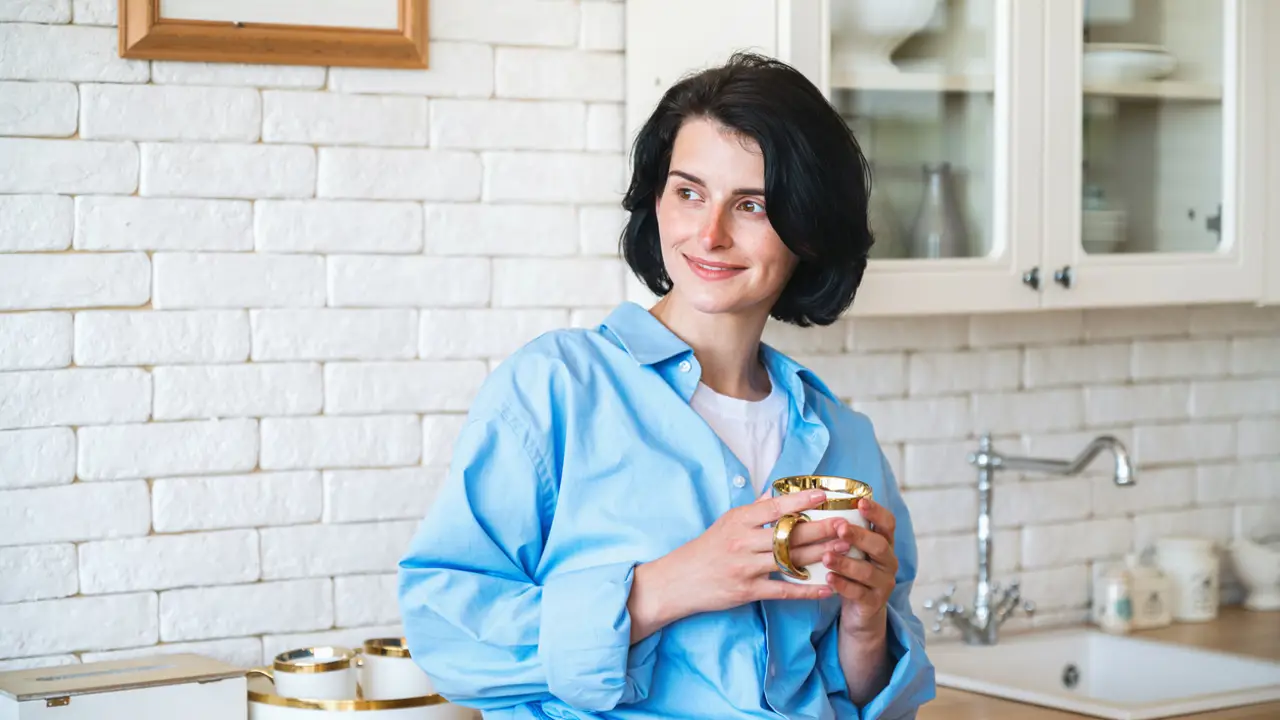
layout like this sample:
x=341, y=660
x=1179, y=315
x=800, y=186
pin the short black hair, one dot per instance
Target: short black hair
x=816, y=179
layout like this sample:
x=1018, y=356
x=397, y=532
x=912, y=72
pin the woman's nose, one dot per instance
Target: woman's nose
x=715, y=233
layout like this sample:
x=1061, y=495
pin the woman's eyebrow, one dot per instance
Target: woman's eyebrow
x=697, y=180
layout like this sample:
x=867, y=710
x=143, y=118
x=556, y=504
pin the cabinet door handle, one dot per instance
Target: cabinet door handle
x=1031, y=278
x=1066, y=277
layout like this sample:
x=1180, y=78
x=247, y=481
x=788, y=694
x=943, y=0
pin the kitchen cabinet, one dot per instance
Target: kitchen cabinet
x=1025, y=154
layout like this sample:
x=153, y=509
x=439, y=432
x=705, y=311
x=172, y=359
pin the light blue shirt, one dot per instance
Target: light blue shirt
x=580, y=459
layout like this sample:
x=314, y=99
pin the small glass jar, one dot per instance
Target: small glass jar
x=1191, y=564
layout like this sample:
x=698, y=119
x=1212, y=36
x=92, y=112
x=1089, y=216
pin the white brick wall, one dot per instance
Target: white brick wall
x=244, y=309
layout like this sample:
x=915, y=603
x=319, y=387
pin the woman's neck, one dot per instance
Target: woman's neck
x=727, y=346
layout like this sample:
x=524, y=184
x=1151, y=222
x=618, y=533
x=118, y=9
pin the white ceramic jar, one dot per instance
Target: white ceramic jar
x=1191, y=564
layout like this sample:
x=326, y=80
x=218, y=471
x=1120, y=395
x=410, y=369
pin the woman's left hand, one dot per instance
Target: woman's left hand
x=864, y=586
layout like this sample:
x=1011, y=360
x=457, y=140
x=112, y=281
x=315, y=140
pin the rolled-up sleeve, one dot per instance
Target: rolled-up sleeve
x=478, y=624
x=912, y=683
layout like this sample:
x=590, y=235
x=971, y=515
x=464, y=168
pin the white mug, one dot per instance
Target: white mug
x=843, y=495
x=316, y=673
x=387, y=672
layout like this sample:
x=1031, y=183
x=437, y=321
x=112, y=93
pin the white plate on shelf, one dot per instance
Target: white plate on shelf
x=1126, y=63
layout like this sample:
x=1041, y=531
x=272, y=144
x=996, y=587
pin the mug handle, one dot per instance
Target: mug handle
x=265, y=672
x=358, y=662
x=782, y=546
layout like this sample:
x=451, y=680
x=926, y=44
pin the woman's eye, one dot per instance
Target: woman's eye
x=686, y=194
x=752, y=206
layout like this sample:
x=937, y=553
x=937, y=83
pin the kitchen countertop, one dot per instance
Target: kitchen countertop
x=1235, y=630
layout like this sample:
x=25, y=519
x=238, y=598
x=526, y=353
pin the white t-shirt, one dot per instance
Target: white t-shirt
x=753, y=429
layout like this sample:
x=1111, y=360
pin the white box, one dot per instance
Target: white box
x=158, y=687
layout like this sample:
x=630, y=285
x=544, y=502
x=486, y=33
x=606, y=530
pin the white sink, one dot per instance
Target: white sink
x=1093, y=673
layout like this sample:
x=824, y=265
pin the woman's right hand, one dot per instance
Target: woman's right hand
x=729, y=565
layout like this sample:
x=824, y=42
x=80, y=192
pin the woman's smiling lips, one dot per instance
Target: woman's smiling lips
x=708, y=270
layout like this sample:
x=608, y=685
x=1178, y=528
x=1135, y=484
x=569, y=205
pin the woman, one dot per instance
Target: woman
x=600, y=548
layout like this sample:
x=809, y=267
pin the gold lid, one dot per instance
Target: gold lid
x=387, y=647
x=268, y=698
x=149, y=671
x=327, y=658
x=855, y=489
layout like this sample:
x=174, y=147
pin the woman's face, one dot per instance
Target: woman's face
x=718, y=247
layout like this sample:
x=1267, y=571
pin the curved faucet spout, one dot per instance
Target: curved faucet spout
x=1122, y=475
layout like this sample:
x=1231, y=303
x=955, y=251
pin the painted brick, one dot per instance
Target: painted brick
x=917, y=419
x=36, y=11
x=226, y=170
x=943, y=511
x=334, y=334
x=604, y=123
x=149, y=337
x=1228, y=398
x=1255, y=356
x=1219, y=320
x=1215, y=523
x=37, y=572
x=67, y=166
x=1258, y=521
x=458, y=69
x=230, y=501
x=67, y=53
x=553, y=177
x=1045, y=546
x=815, y=340
x=31, y=223
x=168, y=561
x=1258, y=438
x=362, y=600
x=539, y=282
x=439, y=433
x=539, y=73
x=1132, y=323
x=38, y=109
x=73, y=513
x=1066, y=587
x=340, y=442
x=369, y=495
x=94, y=12
x=134, y=223
x=1168, y=359
x=1077, y=365
x=399, y=174
x=600, y=230
x=393, y=281
x=35, y=341
x=264, y=76
x=1127, y=404
x=1183, y=443
x=1240, y=483
x=73, y=397
x=961, y=372
x=422, y=386
x=603, y=26
x=501, y=22
x=1036, y=501
x=152, y=449
x=40, y=281
x=33, y=458
x=508, y=125
x=916, y=334
x=38, y=662
x=238, y=280
x=325, y=118
x=248, y=390
x=1025, y=328
x=938, y=464
x=75, y=624
x=1031, y=411
x=322, y=550
x=946, y=557
x=157, y=112
x=861, y=376
x=327, y=226
x=240, y=652
x=217, y=612
x=511, y=230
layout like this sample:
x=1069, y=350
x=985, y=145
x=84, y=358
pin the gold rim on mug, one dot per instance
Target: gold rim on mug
x=328, y=658
x=856, y=489
x=387, y=647
x=346, y=705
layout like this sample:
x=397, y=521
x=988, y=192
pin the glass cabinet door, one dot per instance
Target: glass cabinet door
x=936, y=92
x=1148, y=128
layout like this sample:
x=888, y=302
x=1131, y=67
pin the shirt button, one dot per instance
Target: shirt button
x=773, y=671
x=685, y=366
x=739, y=481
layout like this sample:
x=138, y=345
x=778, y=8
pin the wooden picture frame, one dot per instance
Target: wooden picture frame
x=146, y=34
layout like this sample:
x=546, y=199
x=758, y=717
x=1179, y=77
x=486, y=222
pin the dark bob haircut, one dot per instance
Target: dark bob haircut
x=816, y=179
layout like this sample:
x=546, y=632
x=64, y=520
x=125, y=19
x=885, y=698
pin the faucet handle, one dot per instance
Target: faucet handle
x=944, y=608
x=941, y=600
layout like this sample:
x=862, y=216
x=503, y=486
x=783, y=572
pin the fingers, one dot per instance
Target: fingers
x=768, y=510
x=882, y=521
x=801, y=556
x=806, y=533
x=783, y=590
x=877, y=548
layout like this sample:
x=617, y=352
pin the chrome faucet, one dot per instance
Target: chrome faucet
x=992, y=604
